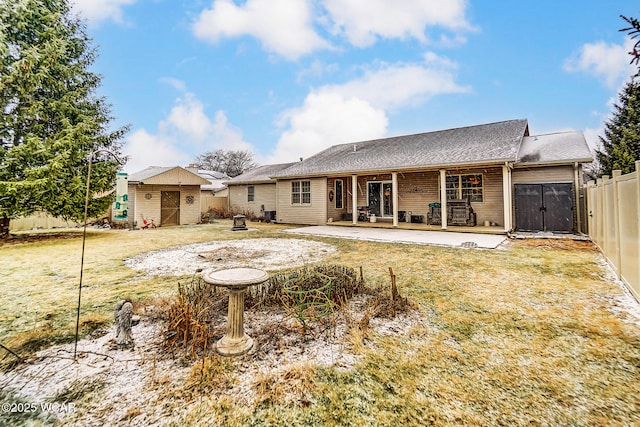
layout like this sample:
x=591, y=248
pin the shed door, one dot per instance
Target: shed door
x=170, y=204
x=544, y=207
x=558, y=204
x=529, y=207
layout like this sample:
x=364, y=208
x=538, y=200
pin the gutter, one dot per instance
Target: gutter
x=566, y=162
x=404, y=169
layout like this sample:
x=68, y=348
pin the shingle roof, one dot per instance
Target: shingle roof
x=149, y=172
x=488, y=143
x=163, y=175
x=562, y=147
x=261, y=174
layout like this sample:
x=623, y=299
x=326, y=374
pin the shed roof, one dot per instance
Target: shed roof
x=481, y=144
x=561, y=147
x=259, y=175
x=162, y=175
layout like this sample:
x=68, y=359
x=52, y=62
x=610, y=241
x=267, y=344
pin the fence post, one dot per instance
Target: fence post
x=616, y=219
x=605, y=215
x=589, y=209
x=637, y=285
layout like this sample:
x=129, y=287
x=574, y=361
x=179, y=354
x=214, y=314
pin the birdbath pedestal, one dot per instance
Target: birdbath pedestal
x=237, y=280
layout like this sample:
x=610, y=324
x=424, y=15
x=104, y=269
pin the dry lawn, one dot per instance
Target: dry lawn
x=537, y=332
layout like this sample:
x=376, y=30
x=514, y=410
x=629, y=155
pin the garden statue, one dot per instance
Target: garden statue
x=122, y=317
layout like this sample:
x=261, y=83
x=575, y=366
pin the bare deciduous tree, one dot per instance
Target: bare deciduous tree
x=231, y=162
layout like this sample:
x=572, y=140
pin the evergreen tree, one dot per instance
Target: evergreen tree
x=634, y=33
x=621, y=141
x=51, y=120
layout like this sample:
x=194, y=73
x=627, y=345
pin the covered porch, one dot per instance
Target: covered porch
x=473, y=199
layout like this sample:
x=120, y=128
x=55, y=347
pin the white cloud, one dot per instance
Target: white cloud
x=327, y=119
x=96, y=11
x=144, y=149
x=357, y=110
x=363, y=21
x=188, y=118
x=284, y=27
x=395, y=86
x=186, y=132
x=608, y=62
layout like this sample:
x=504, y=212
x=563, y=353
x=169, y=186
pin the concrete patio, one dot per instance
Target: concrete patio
x=416, y=237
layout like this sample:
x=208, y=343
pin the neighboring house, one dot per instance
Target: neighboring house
x=214, y=194
x=493, y=174
x=167, y=195
x=254, y=192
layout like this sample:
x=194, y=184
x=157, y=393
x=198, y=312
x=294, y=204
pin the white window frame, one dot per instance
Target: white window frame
x=460, y=190
x=251, y=193
x=298, y=195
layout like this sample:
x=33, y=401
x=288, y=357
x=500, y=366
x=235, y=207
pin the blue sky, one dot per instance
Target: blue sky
x=288, y=78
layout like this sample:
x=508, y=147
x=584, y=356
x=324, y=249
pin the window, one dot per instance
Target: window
x=465, y=187
x=339, y=194
x=300, y=192
x=251, y=193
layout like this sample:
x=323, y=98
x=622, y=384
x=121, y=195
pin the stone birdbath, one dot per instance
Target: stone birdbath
x=237, y=280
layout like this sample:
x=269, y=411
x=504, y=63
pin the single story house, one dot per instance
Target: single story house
x=493, y=175
x=255, y=191
x=166, y=195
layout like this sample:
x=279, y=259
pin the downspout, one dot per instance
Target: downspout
x=277, y=206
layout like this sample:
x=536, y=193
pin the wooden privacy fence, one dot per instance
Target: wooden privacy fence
x=613, y=209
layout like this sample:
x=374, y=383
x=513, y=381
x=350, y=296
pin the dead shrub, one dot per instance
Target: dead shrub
x=212, y=373
x=190, y=316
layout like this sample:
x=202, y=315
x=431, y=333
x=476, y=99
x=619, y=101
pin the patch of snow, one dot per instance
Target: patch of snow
x=265, y=253
x=625, y=303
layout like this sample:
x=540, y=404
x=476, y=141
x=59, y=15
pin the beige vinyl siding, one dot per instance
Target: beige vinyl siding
x=541, y=175
x=333, y=212
x=314, y=213
x=145, y=208
x=264, y=194
x=150, y=208
x=416, y=190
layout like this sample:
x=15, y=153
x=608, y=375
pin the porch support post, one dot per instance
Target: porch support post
x=443, y=197
x=394, y=191
x=354, y=199
x=506, y=196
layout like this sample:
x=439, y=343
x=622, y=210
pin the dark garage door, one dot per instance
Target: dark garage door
x=544, y=207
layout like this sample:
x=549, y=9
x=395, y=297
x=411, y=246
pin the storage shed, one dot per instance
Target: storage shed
x=166, y=195
x=547, y=182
